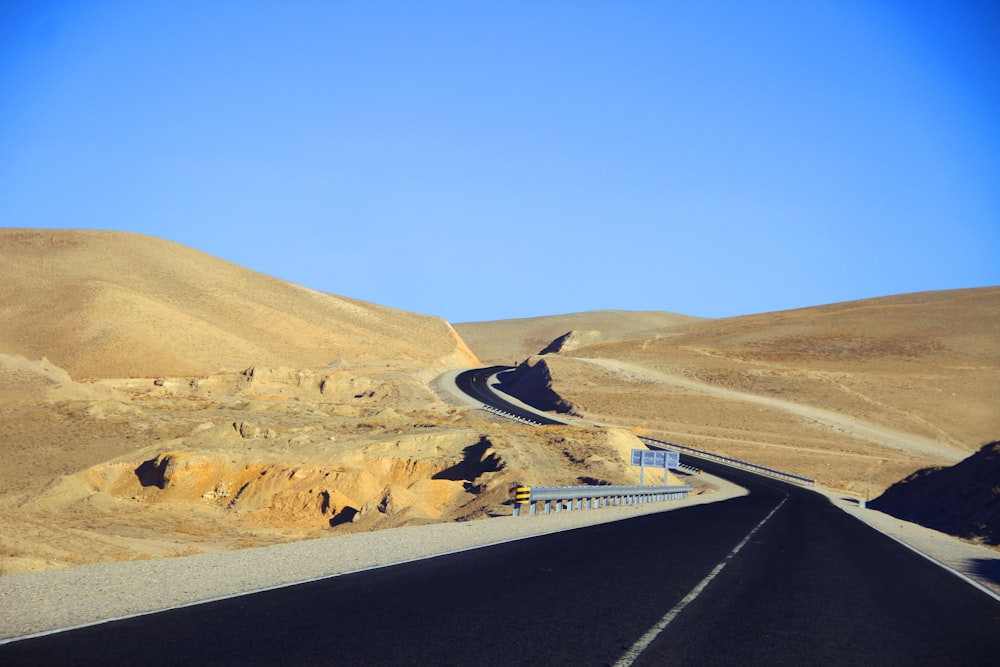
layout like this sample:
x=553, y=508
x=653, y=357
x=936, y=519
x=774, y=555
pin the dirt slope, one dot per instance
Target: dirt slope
x=112, y=304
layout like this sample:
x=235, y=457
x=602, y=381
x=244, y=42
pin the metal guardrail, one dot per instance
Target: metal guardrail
x=752, y=467
x=508, y=415
x=691, y=470
x=569, y=498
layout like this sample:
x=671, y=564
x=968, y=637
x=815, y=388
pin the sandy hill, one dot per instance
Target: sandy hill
x=509, y=341
x=879, y=387
x=112, y=304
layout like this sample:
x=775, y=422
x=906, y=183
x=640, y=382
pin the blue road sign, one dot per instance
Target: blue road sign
x=673, y=460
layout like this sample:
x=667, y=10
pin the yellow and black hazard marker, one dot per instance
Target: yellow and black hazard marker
x=522, y=494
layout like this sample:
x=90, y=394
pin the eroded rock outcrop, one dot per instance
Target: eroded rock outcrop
x=413, y=478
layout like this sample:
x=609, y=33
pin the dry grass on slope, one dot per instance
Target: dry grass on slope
x=878, y=388
x=113, y=304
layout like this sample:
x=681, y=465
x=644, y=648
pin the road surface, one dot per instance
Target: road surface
x=811, y=585
x=475, y=383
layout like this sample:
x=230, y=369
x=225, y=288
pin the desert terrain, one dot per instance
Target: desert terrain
x=156, y=401
x=855, y=395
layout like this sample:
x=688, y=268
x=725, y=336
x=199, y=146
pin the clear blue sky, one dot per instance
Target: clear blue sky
x=486, y=160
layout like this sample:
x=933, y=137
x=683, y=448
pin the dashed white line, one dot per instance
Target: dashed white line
x=637, y=648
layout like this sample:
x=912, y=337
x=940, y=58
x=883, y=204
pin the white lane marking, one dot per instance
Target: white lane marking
x=647, y=639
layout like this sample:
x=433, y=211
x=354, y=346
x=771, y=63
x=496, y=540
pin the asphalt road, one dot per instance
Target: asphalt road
x=812, y=586
x=475, y=383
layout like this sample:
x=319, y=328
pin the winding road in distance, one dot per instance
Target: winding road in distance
x=779, y=577
x=476, y=383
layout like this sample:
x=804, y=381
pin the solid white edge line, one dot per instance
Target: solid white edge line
x=964, y=577
x=859, y=517
x=643, y=643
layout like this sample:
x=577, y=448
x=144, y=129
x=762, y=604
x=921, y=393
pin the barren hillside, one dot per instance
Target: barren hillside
x=843, y=393
x=113, y=304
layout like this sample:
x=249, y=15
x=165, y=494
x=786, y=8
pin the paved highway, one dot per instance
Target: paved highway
x=475, y=383
x=811, y=585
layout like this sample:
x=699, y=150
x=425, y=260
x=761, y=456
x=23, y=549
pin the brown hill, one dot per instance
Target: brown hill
x=879, y=387
x=963, y=499
x=508, y=341
x=157, y=401
x=113, y=304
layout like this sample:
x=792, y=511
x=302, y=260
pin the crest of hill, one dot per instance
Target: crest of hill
x=505, y=341
x=116, y=304
x=961, y=326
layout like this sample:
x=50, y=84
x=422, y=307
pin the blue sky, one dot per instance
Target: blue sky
x=490, y=160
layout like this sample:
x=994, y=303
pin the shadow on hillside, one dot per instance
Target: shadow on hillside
x=986, y=568
x=150, y=473
x=345, y=515
x=474, y=463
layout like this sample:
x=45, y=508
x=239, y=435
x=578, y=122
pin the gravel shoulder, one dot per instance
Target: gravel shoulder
x=41, y=602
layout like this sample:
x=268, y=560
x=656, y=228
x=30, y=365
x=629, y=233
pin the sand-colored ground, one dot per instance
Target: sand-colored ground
x=143, y=468
x=156, y=401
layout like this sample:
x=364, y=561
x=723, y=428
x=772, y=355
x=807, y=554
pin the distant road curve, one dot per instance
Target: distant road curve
x=476, y=383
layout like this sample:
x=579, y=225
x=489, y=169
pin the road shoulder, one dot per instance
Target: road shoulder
x=978, y=563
